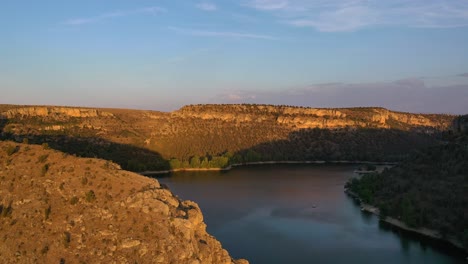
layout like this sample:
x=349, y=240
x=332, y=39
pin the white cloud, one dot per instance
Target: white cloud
x=153, y=10
x=351, y=15
x=222, y=34
x=206, y=6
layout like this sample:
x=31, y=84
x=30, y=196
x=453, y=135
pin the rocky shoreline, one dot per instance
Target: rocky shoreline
x=230, y=167
x=430, y=233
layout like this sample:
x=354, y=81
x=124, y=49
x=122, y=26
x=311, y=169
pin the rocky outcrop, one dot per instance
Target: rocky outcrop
x=54, y=112
x=56, y=208
x=302, y=117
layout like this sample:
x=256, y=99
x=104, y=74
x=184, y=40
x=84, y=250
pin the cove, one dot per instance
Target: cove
x=298, y=214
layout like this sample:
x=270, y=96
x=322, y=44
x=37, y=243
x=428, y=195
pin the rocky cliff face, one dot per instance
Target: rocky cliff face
x=56, y=208
x=300, y=117
x=53, y=112
x=287, y=116
x=213, y=130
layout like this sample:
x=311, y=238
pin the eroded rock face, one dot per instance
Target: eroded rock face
x=58, y=207
x=54, y=112
x=302, y=117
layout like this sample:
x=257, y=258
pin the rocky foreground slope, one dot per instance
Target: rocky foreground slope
x=56, y=208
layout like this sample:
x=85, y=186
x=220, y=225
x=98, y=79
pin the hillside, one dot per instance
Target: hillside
x=427, y=190
x=56, y=208
x=216, y=135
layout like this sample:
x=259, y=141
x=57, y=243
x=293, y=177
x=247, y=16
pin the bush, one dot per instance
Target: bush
x=84, y=181
x=42, y=158
x=44, y=170
x=74, y=200
x=66, y=239
x=10, y=150
x=6, y=210
x=47, y=212
x=465, y=239
x=90, y=196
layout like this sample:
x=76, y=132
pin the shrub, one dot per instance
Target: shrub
x=42, y=158
x=66, y=238
x=10, y=150
x=74, y=200
x=44, y=250
x=47, y=212
x=84, y=180
x=44, y=170
x=90, y=196
x=6, y=210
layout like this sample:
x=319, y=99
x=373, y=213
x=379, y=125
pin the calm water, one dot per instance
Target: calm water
x=298, y=214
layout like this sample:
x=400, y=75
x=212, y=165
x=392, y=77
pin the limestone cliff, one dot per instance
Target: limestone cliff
x=56, y=208
x=142, y=140
x=54, y=112
x=303, y=117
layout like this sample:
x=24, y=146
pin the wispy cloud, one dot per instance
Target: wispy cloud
x=410, y=95
x=153, y=10
x=269, y=4
x=206, y=6
x=352, y=15
x=221, y=34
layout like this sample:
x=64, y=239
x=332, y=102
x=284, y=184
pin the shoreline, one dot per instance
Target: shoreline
x=430, y=233
x=232, y=166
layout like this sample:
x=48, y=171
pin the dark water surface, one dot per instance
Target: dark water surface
x=298, y=214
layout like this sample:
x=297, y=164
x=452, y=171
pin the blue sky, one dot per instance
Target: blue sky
x=162, y=54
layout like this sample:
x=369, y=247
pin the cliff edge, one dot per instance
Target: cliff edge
x=57, y=208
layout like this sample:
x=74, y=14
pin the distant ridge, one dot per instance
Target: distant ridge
x=214, y=136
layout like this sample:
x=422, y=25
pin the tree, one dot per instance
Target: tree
x=205, y=163
x=175, y=164
x=195, y=162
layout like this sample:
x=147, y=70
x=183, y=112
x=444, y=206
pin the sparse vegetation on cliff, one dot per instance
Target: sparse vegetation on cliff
x=115, y=215
x=219, y=135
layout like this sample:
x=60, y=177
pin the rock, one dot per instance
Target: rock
x=129, y=243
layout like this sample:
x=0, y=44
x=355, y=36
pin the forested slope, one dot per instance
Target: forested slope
x=429, y=189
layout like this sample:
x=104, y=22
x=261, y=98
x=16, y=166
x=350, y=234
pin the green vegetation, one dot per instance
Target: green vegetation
x=74, y=200
x=44, y=169
x=11, y=149
x=47, y=212
x=90, y=196
x=429, y=189
x=44, y=250
x=6, y=211
x=42, y=158
x=66, y=239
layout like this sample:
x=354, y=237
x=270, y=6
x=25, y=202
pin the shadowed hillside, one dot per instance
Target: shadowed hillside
x=429, y=189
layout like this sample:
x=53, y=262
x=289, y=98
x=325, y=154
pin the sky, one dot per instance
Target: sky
x=162, y=54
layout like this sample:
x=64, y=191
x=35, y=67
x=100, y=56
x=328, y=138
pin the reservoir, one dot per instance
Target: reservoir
x=298, y=214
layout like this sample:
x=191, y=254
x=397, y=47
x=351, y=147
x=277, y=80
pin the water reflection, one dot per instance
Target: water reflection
x=297, y=214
